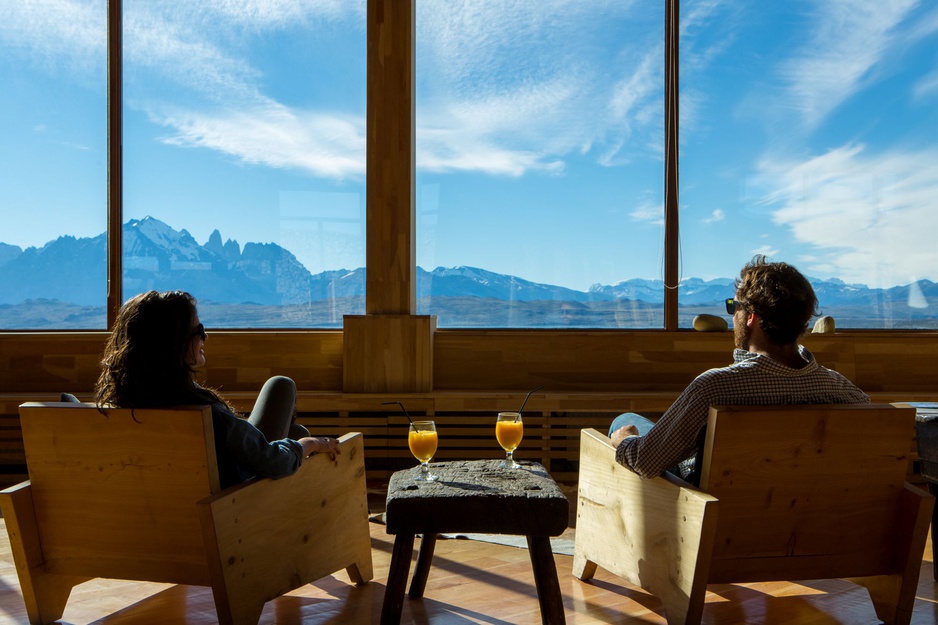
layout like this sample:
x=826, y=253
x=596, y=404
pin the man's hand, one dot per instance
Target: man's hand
x=619, y=435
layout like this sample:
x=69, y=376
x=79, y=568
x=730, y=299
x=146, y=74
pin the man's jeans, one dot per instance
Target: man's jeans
x=630, y=418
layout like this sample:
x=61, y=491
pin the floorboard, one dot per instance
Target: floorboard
x=470, y=582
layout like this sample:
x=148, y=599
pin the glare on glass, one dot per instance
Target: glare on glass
x=422, y=440
x=509, y=430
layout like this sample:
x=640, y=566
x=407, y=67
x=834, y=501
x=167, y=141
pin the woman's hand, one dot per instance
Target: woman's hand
x=321, y=445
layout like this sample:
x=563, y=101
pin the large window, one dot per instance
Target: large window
x=539, y=131
x=53, y=165
x=244, y=158
x=808, y=134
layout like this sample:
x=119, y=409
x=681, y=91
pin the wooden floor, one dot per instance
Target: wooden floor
x=470, y=582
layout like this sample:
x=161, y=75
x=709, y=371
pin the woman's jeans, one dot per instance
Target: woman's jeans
x=275, y=410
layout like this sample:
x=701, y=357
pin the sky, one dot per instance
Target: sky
x=807, y=131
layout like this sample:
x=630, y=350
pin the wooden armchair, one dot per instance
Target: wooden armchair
x=787, y=493
x=135, y=495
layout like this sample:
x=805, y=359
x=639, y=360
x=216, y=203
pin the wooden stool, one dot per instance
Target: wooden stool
x=474, y=497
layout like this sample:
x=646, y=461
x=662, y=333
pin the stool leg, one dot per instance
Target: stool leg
x=545, y=580
x=397, y=579
x=933, y=490
x=422, y=570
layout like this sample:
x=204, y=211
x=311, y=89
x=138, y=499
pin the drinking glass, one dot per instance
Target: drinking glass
x=422, y=440
x=509, y=431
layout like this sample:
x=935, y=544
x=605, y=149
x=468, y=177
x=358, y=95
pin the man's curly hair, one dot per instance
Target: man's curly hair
x=780, y=295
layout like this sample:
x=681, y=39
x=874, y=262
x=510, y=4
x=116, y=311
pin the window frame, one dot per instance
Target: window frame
x=381, y=274
x=646, y=365
x=390, y=197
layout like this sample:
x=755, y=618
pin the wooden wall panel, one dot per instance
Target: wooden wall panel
x=242, y=361
x=483, y=360
x=885, y=364
x=588, y=378
x=68, y=361
x=52, y=363
x=559, y=360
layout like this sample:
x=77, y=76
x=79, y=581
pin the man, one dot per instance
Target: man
x=771, y=311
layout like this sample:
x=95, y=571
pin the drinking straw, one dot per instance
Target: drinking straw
x=526, y=398
x=385, y=403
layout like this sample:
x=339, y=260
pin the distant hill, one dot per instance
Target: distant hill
x=72, y=271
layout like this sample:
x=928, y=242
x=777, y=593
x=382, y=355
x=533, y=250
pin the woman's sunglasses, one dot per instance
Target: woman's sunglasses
x=198, y=331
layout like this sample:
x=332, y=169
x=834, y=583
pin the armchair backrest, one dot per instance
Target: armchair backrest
x=806, y=492
x=114, y=491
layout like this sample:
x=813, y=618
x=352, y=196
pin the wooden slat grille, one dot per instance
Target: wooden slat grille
x=466, y=422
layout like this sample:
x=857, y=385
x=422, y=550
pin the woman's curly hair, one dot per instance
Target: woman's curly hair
x=780, y=295
x=144, y=363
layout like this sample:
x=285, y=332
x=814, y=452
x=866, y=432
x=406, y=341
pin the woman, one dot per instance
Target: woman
x=150, y=361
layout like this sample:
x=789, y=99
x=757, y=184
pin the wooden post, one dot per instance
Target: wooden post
x=388, y=353
x=390, y=349
x=390, y=282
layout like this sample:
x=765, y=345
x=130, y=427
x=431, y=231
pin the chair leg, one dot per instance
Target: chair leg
x=360, y=573
x=583, y=569
x=893, y=596
x=245, y=611
x=884, y=592
x=362, y=570
x=45, y=595
x=933, y=490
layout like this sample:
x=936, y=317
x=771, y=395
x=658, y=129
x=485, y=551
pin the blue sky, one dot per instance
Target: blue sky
x=807, y=131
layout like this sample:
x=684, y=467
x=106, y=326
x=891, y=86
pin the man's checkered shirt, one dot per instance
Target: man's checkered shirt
x=752, y=379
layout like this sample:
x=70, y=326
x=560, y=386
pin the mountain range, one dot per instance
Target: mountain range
x=156, y=256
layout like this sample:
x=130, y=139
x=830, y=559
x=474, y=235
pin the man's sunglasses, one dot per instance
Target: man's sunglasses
x=732, y=305
x=198, y=331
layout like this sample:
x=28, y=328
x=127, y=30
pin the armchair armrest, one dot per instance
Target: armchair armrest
x=655, y=533
x=316, y=518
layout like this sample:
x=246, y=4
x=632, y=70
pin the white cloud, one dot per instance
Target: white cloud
x=161, y=52
x=509, y=98
x=505, y=133
x=511, y=79
x=716, y=216
x=926, y=24
x=848, y=40
x=649, y=213
x=62, y=36
x=927, y=86
x=264, y=14
x=276, y=136
x=870, y=218
x=635, y=104
x=207, y=96
x=766, y=250
x=505, y=85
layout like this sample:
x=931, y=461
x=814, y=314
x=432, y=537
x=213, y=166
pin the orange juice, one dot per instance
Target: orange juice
x=422, y=444
x=509, y=434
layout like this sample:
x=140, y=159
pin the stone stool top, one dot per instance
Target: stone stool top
x=479, y=497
